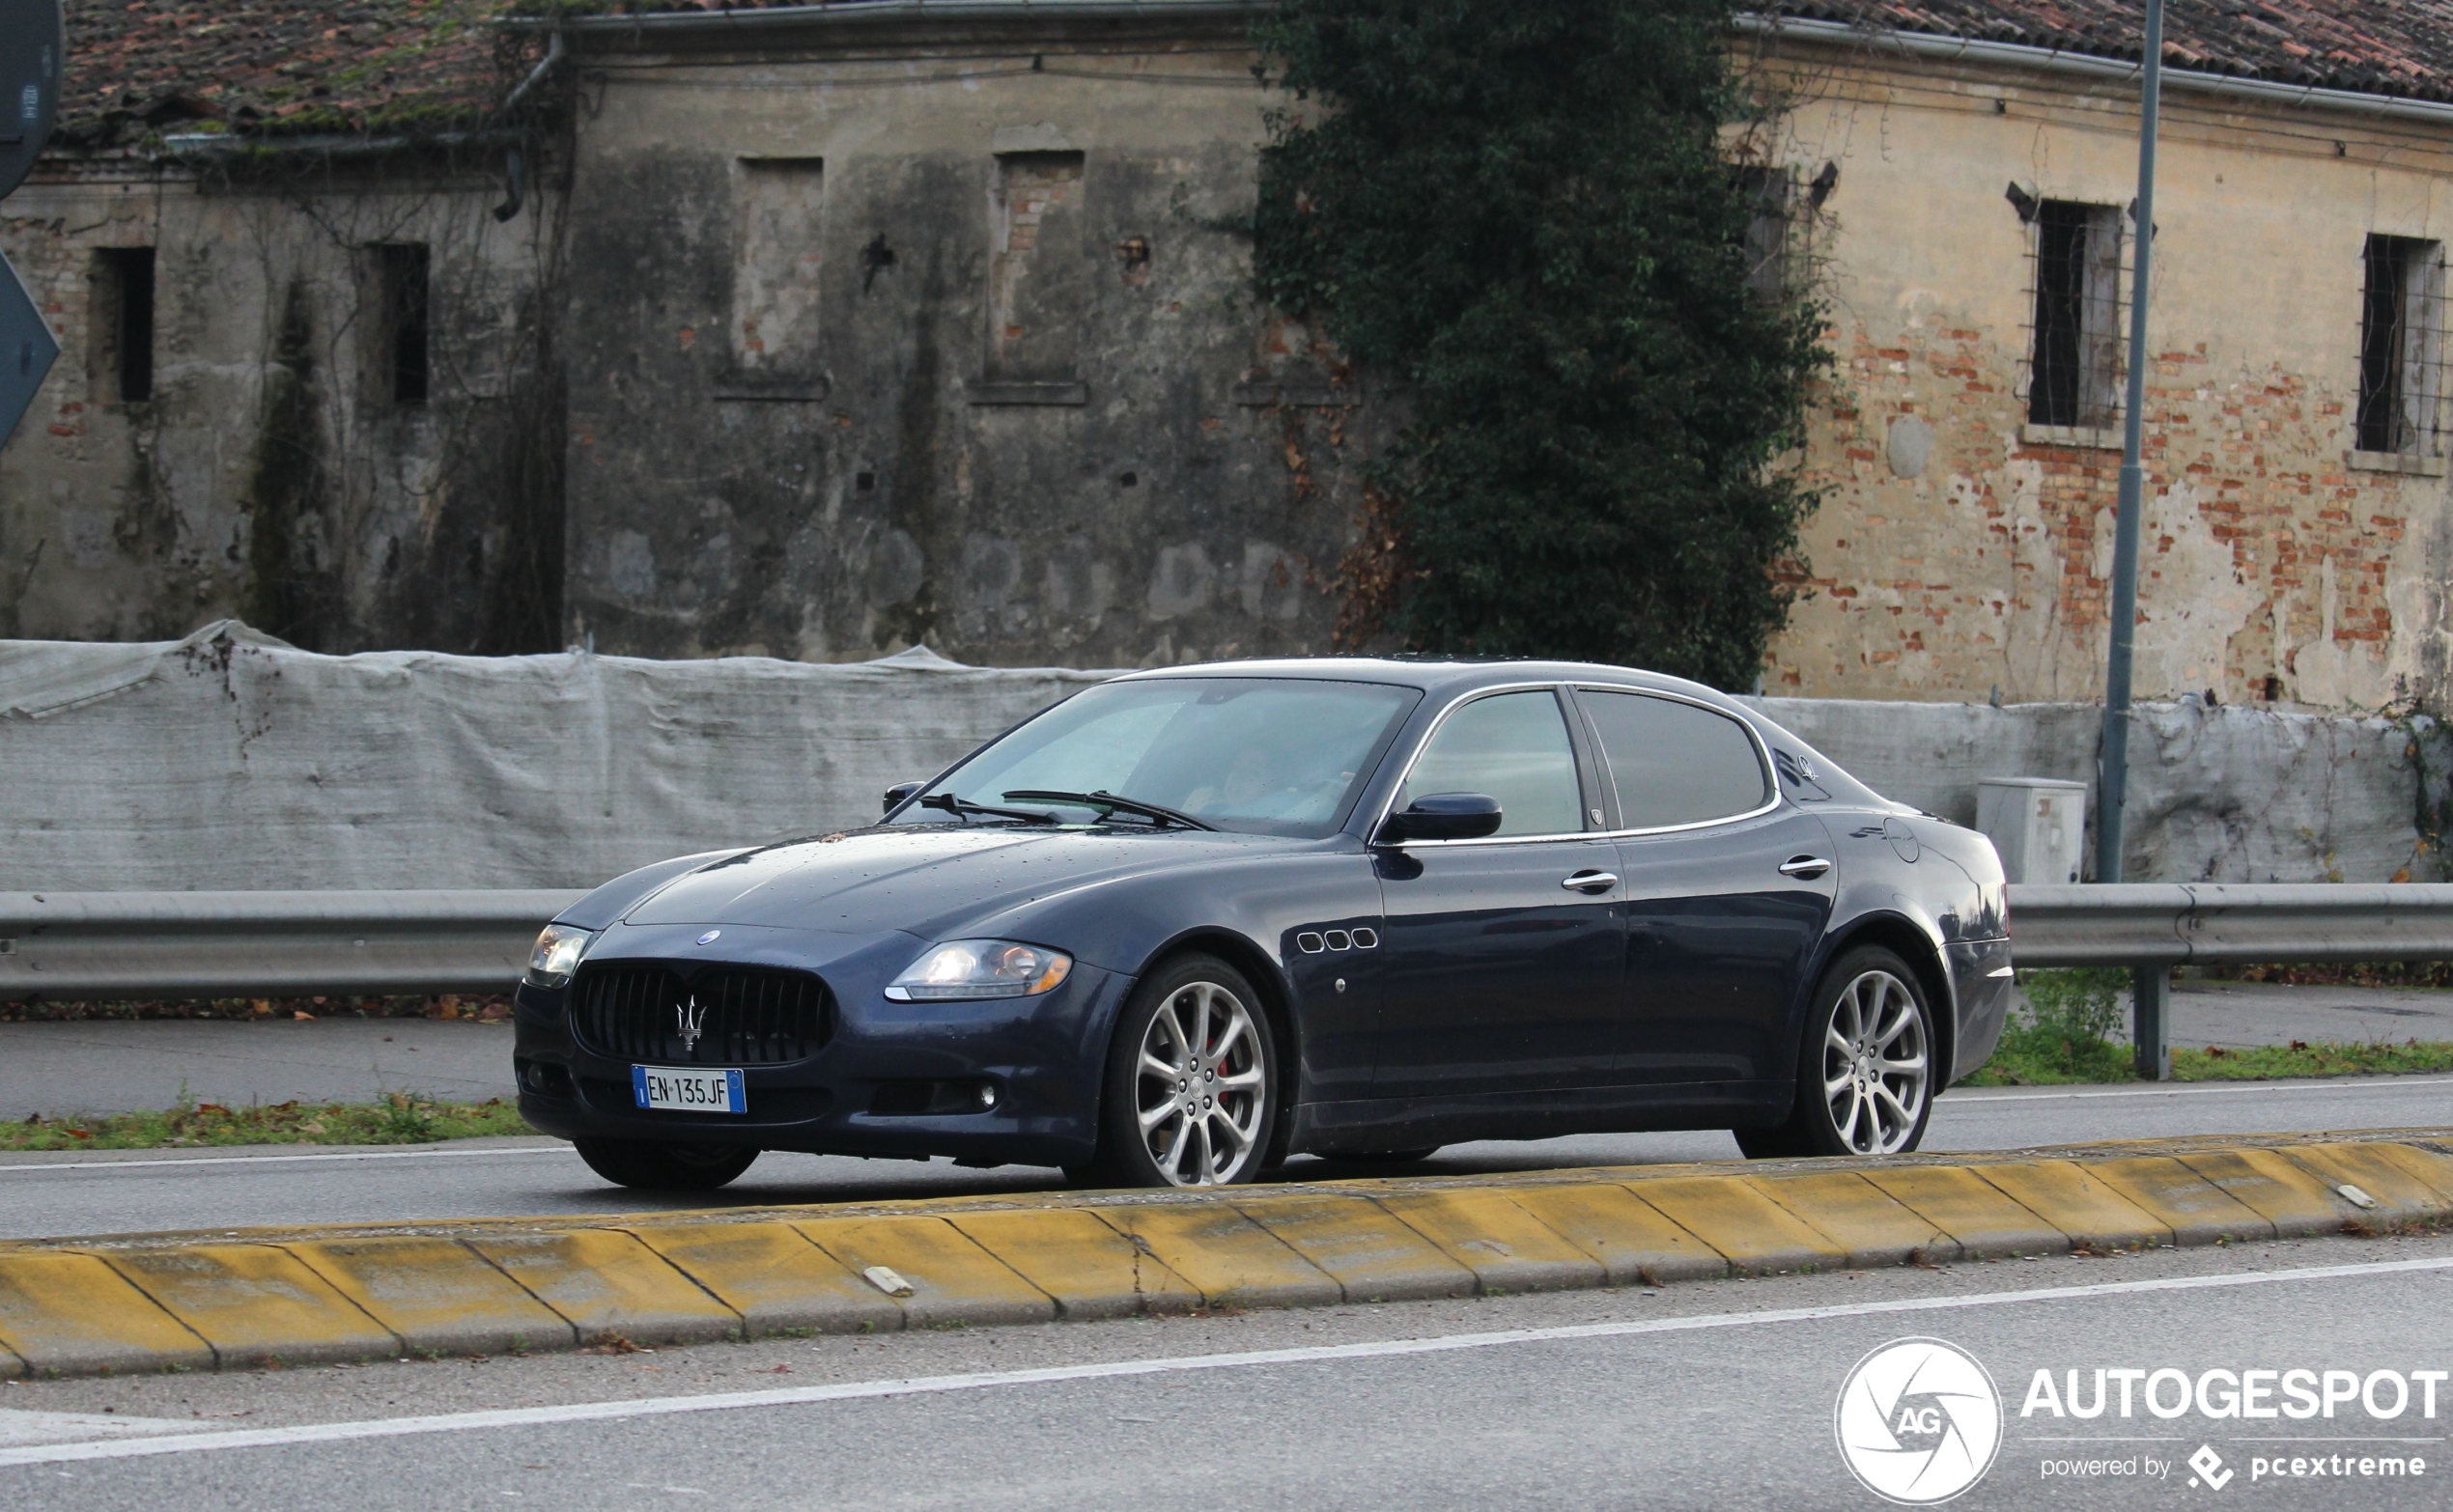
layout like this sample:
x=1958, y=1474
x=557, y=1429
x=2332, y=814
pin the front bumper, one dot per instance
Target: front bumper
x=869, y=1089
x=1979, y=982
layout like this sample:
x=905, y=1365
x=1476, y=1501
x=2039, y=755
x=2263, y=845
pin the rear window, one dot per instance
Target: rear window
x=1676, y=763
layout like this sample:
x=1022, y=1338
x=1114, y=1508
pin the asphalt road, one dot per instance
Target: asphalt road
x=108, y=1067
x=1710, y=1395
x=143, y=1191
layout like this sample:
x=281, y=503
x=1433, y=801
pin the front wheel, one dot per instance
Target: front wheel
x=1192, y=1083
x=653, y=1165
x=1864, y=1070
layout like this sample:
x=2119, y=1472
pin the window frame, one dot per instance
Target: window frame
x=1590, y=792
x=2413, y=391
x=1762, y=761
x=2097, y=379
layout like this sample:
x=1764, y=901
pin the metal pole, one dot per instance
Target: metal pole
x=2115, y=770
x=2147, y=983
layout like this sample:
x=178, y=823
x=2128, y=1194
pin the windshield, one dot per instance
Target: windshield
x=1281, y=756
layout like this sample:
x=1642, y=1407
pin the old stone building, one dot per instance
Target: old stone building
x=821, y=330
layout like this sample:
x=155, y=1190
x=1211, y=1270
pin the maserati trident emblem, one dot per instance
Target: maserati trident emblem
x=690, y=1018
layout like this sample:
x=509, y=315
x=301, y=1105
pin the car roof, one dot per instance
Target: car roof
x=1443, y=675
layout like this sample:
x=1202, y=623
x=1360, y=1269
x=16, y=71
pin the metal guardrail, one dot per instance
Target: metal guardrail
x=2214, y=923
x=228, y=944
x=118, y=945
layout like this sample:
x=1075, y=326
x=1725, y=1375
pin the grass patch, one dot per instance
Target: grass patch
x=2062, y=1039
x=402, y=1118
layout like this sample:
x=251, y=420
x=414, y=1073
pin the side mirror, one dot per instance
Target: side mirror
x=1443, y=815
x=897, y=794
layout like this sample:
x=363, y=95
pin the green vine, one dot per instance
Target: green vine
x=1525, y=216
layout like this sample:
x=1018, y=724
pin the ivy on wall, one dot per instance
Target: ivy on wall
x=1525, y=217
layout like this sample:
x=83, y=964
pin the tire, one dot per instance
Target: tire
x=657, y=1167
x=1209, y=1121
x=1865, y=1065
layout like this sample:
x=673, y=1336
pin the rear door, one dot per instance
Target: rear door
x=1502, y=957
x=1727, y=889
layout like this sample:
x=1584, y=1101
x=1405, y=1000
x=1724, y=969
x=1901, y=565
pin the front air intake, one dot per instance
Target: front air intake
x=721, y=1015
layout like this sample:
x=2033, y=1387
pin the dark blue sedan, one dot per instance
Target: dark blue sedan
x=1190, y=922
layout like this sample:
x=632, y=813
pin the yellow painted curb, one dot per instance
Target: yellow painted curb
x=435, y=1296
x=773, y=1277
x=229, y=1301
x=611, y=1286
x=72, y=1315
x=952, y=1280
x=255, y=1305
x=1984, y=1222
x=2281, y=1191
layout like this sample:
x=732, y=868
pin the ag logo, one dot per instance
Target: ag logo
x=1919, y=1421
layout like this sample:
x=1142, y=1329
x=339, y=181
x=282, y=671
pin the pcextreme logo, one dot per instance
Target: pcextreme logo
x=1919, y=1421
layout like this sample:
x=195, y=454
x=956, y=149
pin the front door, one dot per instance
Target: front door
x=1727, y=889
x=1503, y=954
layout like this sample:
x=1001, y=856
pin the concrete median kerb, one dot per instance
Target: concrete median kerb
x=235, y=1301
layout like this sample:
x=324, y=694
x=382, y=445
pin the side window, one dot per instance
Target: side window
x=1512, y=747
x=1676, y=763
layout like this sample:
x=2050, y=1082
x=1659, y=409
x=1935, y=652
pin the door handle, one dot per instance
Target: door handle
x=1591, y=882
x=1805, y=868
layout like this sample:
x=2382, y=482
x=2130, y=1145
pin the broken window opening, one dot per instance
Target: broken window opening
x=124, y=322
x=2074, y=365
x=2400, y=338
x=403, y=270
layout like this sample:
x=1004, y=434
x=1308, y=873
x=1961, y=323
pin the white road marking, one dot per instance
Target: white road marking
x=29, y=1167
x=1971, y=1096
x=920, y=1385
x=20, y=1426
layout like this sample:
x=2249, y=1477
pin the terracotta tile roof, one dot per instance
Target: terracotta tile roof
x=290, y=67
x=281, y=67
x=2372, y=46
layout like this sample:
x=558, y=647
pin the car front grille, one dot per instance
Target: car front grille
x=743, y=1017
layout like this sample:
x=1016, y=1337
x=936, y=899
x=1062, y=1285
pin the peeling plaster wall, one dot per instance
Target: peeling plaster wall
x=1958, y=550
x=269, y=473
x=1040, y=417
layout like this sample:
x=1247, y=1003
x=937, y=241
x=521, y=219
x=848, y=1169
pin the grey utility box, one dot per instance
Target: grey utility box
x=2038, y=823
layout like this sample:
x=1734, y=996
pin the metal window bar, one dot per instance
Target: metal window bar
x=2401, y=347
x=2078, y=283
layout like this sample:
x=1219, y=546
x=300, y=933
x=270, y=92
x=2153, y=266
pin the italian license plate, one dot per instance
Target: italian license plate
x=687, y=1090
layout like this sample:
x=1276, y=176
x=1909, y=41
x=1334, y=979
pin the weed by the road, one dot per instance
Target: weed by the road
x=401, y=1118
x=2063, y=1037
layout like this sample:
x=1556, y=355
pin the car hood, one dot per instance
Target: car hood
x=923, y=879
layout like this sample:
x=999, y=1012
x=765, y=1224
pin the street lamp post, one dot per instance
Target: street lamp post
x=2149, y=986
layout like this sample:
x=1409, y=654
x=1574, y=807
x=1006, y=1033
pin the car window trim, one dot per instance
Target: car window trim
x=1762, y=759
x=1569, y=714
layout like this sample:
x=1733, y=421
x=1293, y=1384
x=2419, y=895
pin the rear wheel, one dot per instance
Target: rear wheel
x=1191, y=1084
x=1866, y=1068
x=654, y=1166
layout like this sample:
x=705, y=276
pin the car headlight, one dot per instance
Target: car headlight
x=972, y=968
x=558, y=954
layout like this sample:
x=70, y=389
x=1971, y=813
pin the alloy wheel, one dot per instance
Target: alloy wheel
x=1875, y=1069
x=1201, y=1086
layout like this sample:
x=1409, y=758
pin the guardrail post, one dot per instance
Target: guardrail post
x=2150, y=1020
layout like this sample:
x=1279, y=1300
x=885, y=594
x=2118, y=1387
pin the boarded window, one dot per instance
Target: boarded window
x=2400, y=337
x=1037, y=282
x=1768, y=192
x=2075, y=366
x=403, y=331
x=775, y=290
x=124, y=324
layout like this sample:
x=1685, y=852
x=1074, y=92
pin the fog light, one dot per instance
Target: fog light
x=987, y=1096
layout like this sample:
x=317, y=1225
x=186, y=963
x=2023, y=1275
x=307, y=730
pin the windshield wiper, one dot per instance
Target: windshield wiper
x=1109, y=804
x=964, y=809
